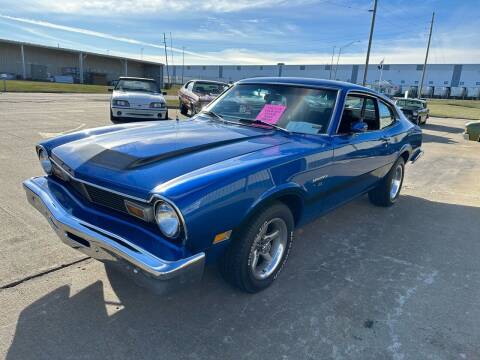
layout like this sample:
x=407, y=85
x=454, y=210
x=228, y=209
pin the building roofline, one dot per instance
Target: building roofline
x=76, y=51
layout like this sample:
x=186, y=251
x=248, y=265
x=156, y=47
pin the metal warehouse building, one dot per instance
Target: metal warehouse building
x=38, y=62
x=441, y=80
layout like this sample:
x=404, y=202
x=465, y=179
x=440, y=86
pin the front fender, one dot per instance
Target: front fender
x=283, y=191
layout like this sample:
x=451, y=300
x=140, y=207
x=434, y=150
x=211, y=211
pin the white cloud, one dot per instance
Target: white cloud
x=146, y=6
x=98, y=34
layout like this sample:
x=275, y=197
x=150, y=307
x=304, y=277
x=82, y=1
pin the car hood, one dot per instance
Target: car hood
x=138, y=159
x=137, y=98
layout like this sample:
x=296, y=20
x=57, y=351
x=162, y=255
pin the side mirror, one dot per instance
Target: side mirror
x=164, y=93
x=110, y=89
x=358, y=127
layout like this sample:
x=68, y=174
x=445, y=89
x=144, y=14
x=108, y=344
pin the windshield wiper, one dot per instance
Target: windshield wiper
x=218, y=117
x=261, y=122
x=212, y=114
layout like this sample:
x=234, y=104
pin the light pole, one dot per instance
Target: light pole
x=331, y=63
x=372, y=26
x=340, y=52
x=183, y=61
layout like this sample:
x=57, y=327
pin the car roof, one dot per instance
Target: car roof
x=305, y=82
x=135, y=78
x=321, y=83
x=411, y=99
x=209, y=81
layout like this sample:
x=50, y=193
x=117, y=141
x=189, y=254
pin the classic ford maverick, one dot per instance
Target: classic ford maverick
x=160, y=200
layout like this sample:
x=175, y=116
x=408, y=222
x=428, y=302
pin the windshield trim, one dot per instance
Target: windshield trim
x=314, y=87
x=157, y=91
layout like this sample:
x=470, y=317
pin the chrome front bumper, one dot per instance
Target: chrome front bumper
x=144, y=267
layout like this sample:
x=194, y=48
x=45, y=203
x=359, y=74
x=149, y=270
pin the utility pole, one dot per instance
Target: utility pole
x=166, y=58
x=419, y=92
x=174, y=72
x=372, y=26
x=183, y=61
x=331, y=63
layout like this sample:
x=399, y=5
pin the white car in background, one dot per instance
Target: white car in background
x=137, y=99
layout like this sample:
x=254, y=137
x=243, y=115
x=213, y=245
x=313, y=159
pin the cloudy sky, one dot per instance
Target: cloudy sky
x=250, y=32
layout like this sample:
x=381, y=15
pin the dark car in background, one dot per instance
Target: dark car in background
x=415, y=110
x=196, y=94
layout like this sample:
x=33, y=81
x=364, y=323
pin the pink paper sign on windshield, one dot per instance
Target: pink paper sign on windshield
x=271, y=113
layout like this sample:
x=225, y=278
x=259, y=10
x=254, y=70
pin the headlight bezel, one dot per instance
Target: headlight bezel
x=121, y=103
x=181, y=229
x=44, y=159
x=157, y=105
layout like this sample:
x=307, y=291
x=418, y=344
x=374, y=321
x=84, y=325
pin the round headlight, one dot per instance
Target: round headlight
x=167, y=219
x=44, y=160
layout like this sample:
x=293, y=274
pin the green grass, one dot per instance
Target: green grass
x=463, y=109
x=50, y=87
x=172, y=103
x=173, y=90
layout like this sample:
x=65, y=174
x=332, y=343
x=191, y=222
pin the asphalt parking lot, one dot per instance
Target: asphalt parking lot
x=361, y=283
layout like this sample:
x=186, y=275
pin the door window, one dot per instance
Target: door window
x=359, y=108
x=386, y=115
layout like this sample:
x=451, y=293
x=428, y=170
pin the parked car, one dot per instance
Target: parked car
x=161, y=200
x=196, y=94
x=472, y=131
x=137, y=99
x=415, y=110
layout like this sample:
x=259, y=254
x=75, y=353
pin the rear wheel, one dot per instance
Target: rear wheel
x=257, y=254
x=388, y=190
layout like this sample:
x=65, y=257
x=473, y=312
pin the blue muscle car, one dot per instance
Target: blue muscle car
x=160, y=200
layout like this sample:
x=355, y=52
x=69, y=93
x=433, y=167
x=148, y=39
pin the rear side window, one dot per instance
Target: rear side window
x=386, y=115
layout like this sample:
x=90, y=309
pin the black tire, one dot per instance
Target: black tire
x=237, y=266
x=166, y=116
x=183, y=109
x=384, y=194
x=114, y=119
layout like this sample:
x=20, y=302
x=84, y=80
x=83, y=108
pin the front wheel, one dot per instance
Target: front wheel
x=388, y=190
x=183, y=109
x=258, y=253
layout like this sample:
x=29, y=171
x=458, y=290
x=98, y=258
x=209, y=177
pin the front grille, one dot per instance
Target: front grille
x=105, y=198
x=92, y=193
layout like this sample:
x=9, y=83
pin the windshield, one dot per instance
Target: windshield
x=208, y=88
x=410, y=103
x=137, y=85
x=297, y=109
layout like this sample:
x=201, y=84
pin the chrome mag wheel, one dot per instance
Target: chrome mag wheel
x=268, y=248
x=396, y=182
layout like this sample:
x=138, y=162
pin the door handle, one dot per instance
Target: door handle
x=385, y=140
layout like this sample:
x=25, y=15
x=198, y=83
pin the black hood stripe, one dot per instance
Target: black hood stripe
x=117, y=160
